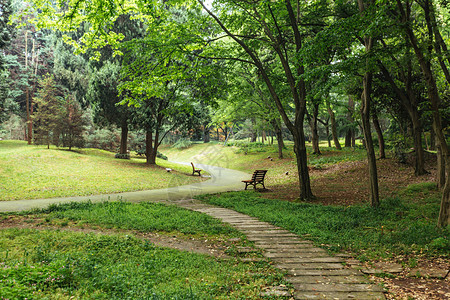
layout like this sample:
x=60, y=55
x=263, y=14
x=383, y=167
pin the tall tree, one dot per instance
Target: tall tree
x=48, y=111
x=405, y=21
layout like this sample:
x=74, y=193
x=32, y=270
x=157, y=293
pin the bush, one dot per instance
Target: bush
x=161, y=156
x=141, y=152
x=103, y=139
x=122, y=155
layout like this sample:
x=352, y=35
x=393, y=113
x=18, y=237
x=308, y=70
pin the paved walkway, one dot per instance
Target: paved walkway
x=222, y=180
x=313, y=273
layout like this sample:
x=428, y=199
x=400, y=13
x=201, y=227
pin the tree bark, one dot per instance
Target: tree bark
x=440, y=176
x=350, y=135
x=279, y=135
x=381, y=145
x=314, y=131
x=365, y=116
x=333, y=127
x=206, y=136
x=327, y=129
x=149, y=153
x=124, y=138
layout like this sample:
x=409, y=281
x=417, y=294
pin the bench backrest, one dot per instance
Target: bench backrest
x=259, y=175
x=192, y=165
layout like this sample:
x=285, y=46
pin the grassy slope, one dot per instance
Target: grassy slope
x=30, y=172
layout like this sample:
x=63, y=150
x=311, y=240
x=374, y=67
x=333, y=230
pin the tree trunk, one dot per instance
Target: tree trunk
x=334, y=128
x=149, y=153
x=350, y=135
x=440, y=176
x=124, y=138
x=348, y=139
x=314, y=131
x=419, y=160
x=206, y=136
x=254, y=134
x=302, y=164
x=426, y=140
x=327, y=128
x=29, y=121
x=279, y=135
x=365, y=116
x=376, y=124
x=432, y=140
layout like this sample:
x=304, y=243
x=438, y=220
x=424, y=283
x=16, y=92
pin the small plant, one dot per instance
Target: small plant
x=440, y=243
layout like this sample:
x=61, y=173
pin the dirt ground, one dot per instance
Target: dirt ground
x=347, y=183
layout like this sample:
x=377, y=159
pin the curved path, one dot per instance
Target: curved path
x=222, y=180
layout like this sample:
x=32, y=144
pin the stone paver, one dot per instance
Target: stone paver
x=312, y=272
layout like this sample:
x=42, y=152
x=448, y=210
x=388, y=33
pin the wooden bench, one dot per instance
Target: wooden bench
x=194, y=170
x=257, y=178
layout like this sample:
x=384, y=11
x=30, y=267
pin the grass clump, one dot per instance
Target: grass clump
x=41, y=264
x=396, y=227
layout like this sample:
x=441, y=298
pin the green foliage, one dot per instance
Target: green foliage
x=255, y=147
x=182, y=144
x=122, y=155
x=72, y=124
x=396, y=227
x=102, y=138
x=49, y=110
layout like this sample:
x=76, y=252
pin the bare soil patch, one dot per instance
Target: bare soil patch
x=347, y=183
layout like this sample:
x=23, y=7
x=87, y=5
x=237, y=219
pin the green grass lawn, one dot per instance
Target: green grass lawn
x=30, y=172
x=57, y=264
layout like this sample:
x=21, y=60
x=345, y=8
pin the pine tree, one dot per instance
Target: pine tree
x=46, y=118
x=72, y=123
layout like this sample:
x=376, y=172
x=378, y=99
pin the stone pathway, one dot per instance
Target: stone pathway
x=313, y=273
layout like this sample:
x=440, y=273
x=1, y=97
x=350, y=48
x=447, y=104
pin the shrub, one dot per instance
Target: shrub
x=182, y=143
x=122, y=155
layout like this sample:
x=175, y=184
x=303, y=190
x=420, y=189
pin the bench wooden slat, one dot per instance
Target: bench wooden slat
x=257, y=178
x=194, y=170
